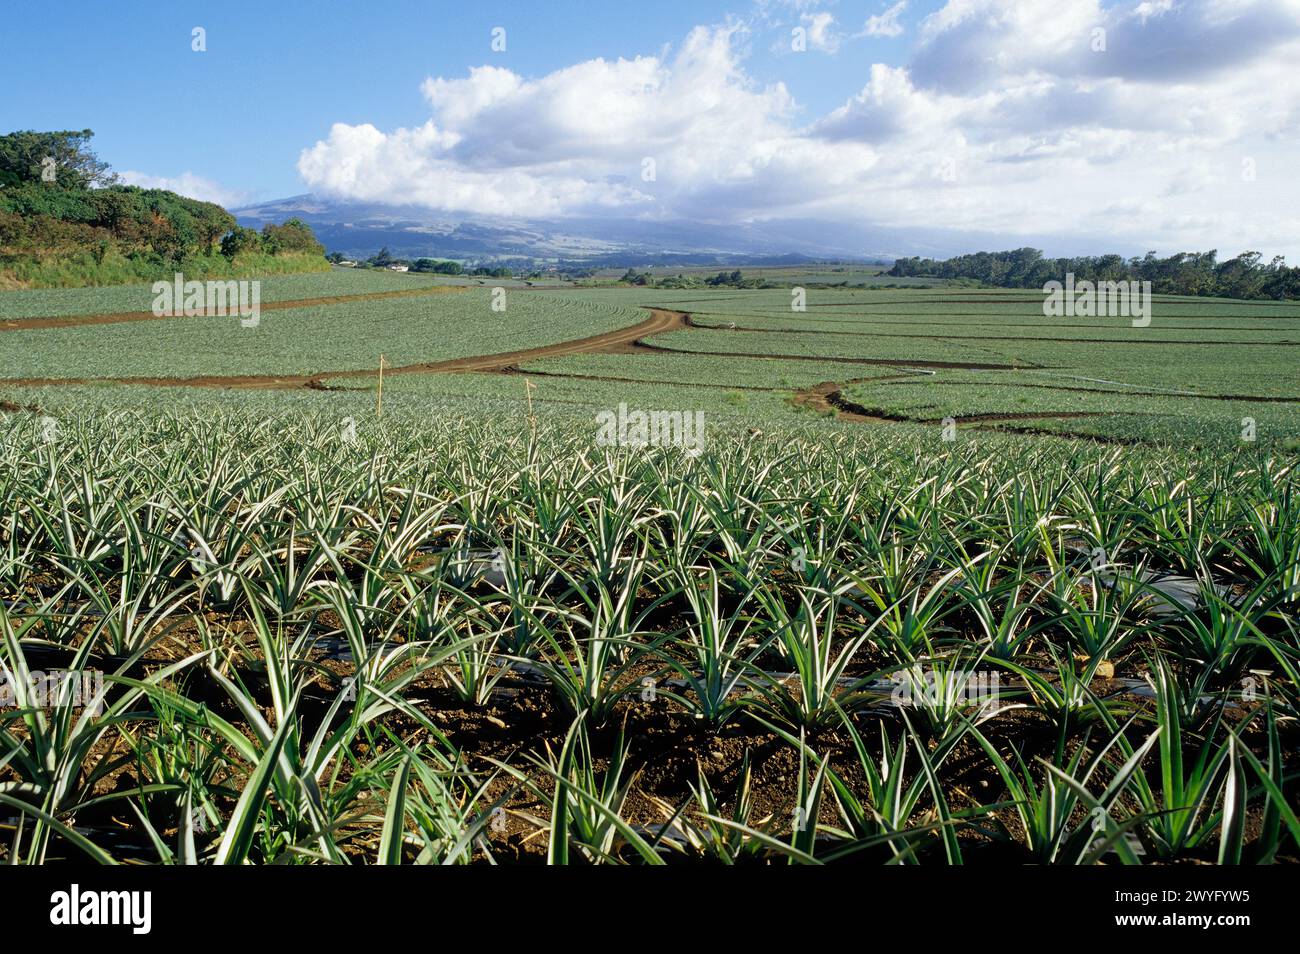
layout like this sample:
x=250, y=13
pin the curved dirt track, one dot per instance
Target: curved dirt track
x=620, y=341
x=113, y=318
x=828, y=398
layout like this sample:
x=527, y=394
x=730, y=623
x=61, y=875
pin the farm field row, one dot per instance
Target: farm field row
x=1247, y=330
x=120, y=299
x=1142, y=416
x=345, y=336
x=804, y=625
x=1195, y=368
x=484, y=611
x=941, y=304
x=1097, y=377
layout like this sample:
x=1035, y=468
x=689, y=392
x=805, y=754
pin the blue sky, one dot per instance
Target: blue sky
x=278, y=74
x=975, y=115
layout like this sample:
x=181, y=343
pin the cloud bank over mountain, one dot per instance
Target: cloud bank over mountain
x=1163, y=124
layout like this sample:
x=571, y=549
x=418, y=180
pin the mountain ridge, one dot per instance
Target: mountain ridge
x=359, y=229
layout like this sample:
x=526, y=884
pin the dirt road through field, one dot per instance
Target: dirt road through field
x=620, y=341
x=114, y=318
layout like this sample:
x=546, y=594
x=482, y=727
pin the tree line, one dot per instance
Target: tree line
x=435, y=266
x=1187, y=273
x=732, y=279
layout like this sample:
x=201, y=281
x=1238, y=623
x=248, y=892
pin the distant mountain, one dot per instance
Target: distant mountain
x=361, y=229
x=358, y=229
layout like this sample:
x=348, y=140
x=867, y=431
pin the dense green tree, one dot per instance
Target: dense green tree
x=1186, y=273
x=24, y=155
x=66, y=226
x=294, y=235
x=437, y=266
x=240, y=239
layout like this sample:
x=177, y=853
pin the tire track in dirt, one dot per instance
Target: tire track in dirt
x=828, y=398
x=620, y=341
x=113, y=318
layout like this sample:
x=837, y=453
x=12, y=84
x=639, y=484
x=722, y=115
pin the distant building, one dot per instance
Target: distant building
x=347, y=264
x=399, y=268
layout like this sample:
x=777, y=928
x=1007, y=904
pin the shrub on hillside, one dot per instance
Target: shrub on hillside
x=65, y=220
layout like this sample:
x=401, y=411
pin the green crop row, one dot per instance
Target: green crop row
x=447, y=637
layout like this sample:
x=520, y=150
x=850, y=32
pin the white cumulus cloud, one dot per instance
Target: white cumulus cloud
x=821, y=31
x=1007, y=118
x=886, y=24
x=190, y=185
